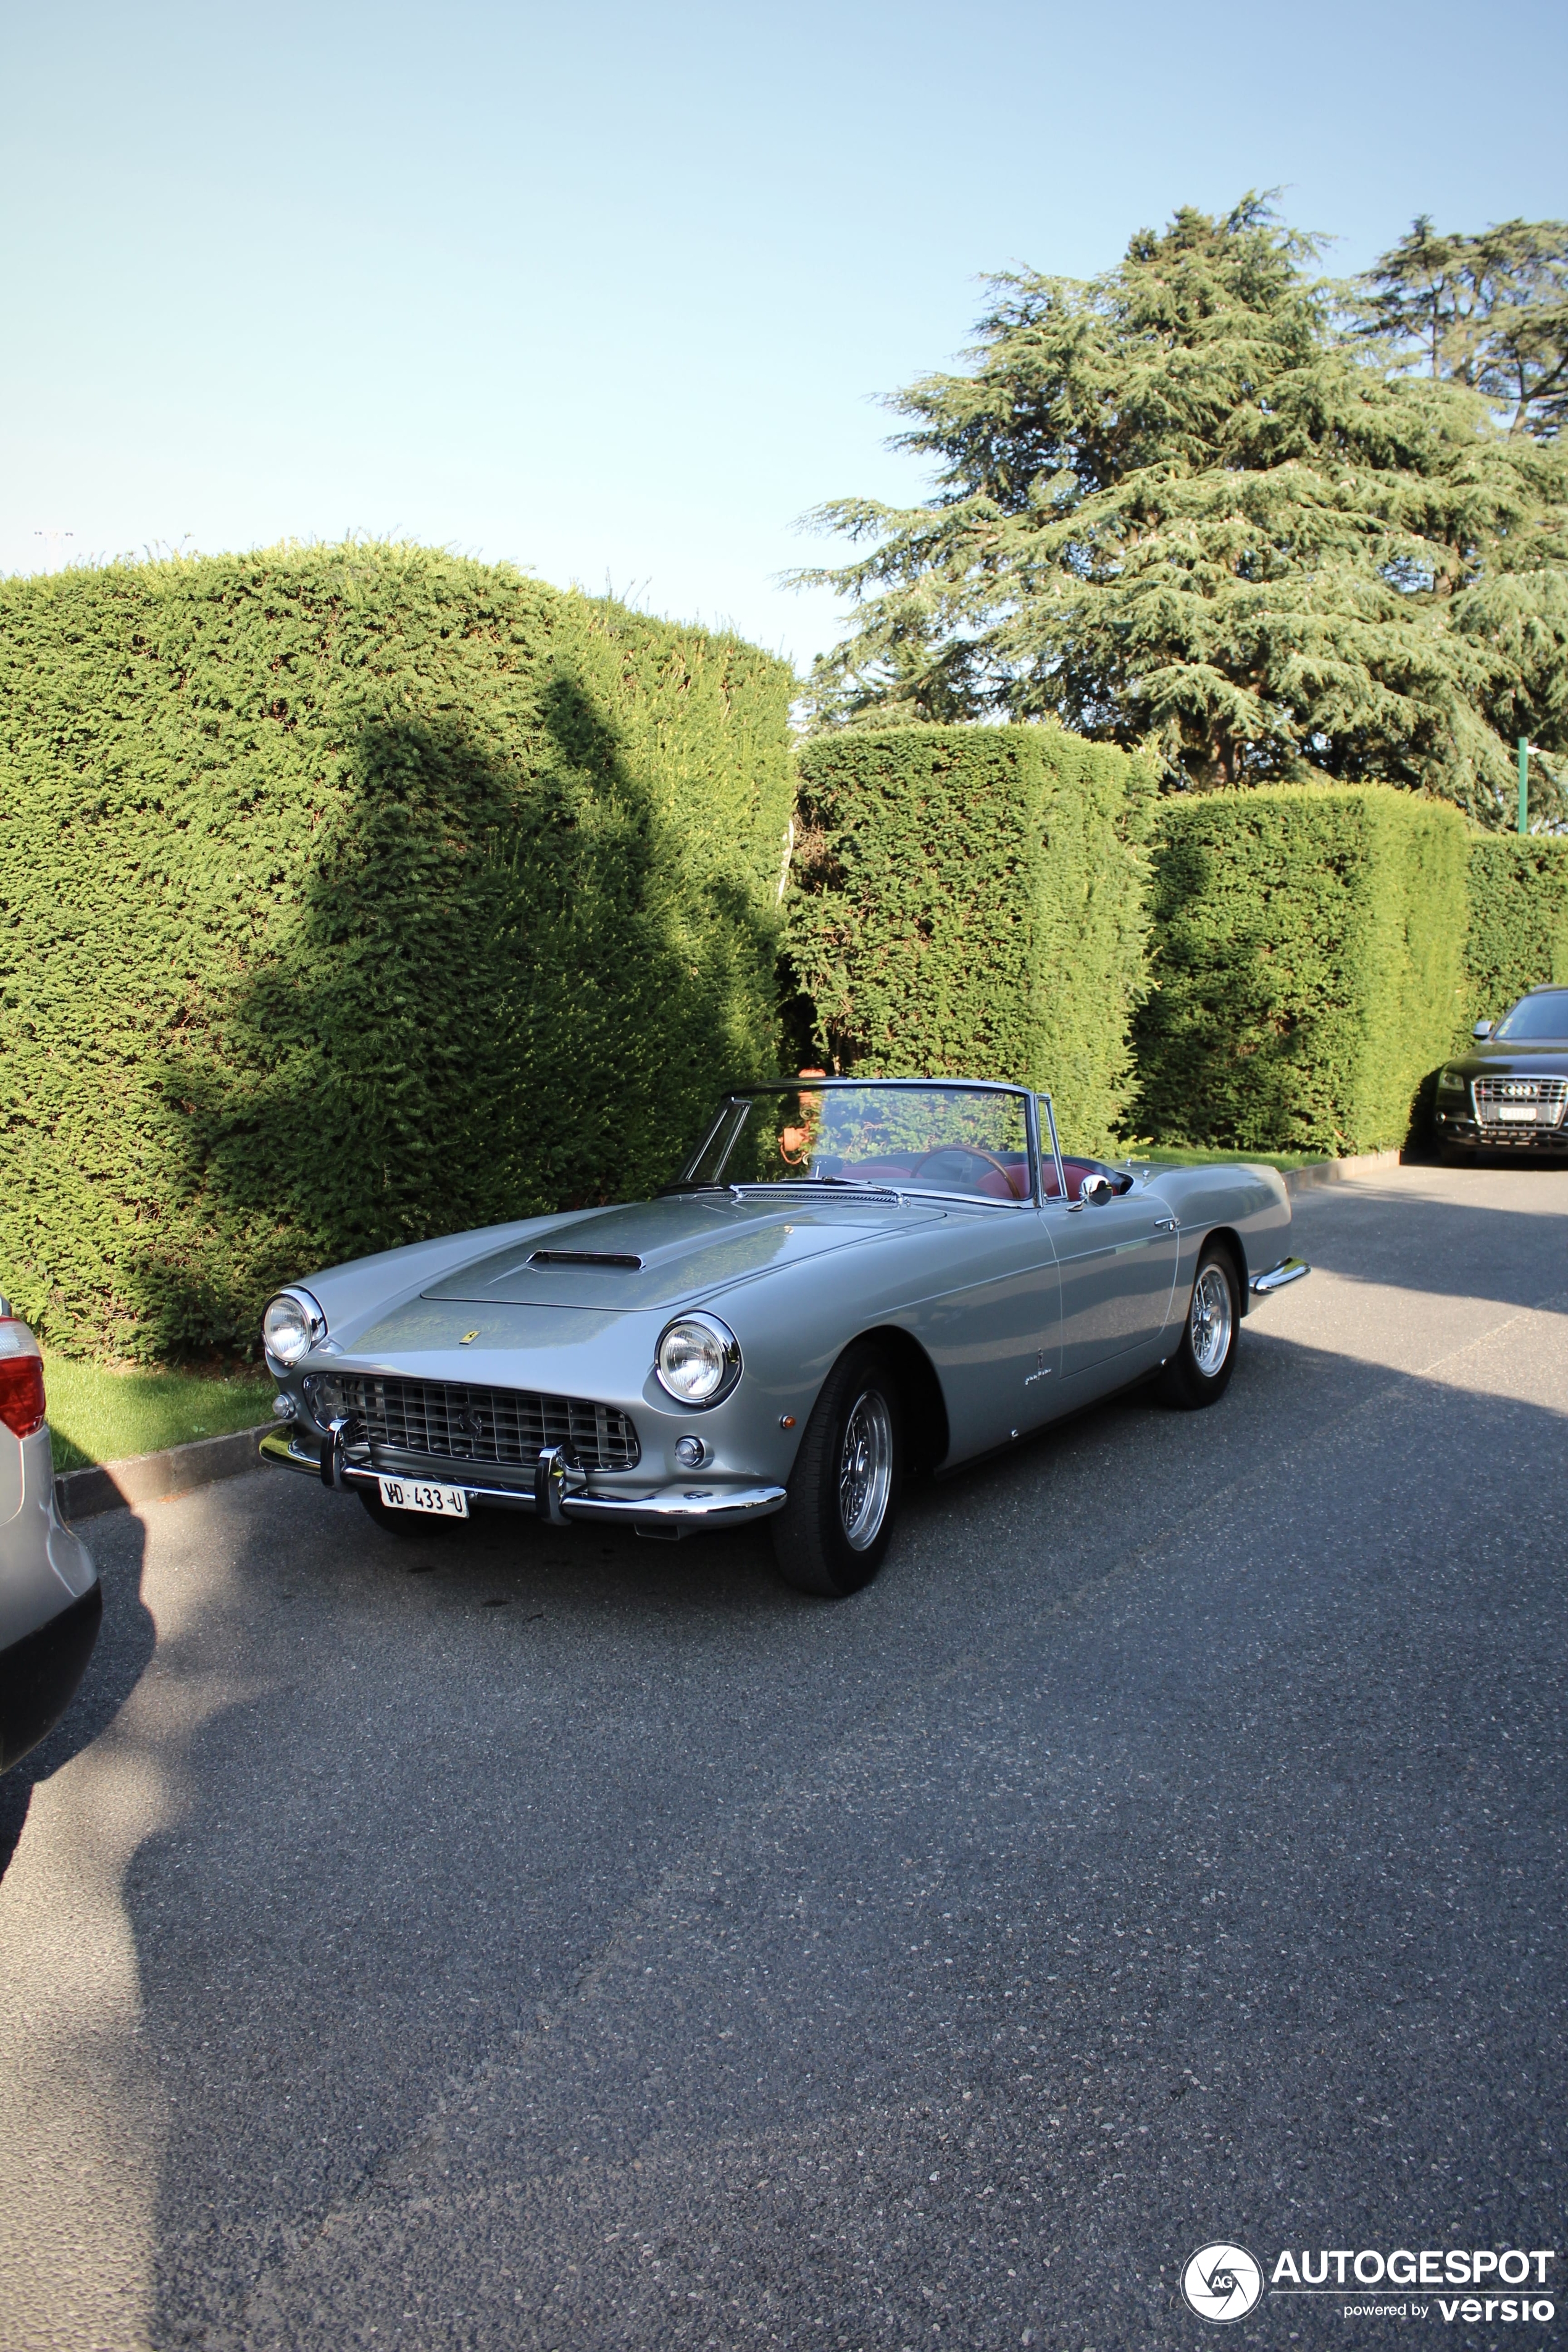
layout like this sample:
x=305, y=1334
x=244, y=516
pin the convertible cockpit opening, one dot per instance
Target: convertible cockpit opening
x=1074, y=1171
x=968, y=1141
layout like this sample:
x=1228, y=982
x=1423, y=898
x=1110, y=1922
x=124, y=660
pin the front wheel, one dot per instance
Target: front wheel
x=392, y=1523
x=832, y=1535
x=1199, y=1372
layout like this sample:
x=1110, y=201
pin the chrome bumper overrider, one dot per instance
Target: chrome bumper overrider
x=561, y=1491
x=1279, y=1278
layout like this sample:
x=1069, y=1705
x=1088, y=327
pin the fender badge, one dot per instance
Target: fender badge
x=467, y=1336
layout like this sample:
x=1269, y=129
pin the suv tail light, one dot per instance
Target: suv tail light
x=22, y=1394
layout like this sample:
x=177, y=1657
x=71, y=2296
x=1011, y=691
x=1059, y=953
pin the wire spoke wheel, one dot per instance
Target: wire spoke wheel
x=1199, y=1372
x=1210, y=1320
x=834, y=1529
x=865, y=1470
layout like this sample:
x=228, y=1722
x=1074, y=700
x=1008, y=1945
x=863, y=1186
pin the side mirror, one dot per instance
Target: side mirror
x=1482, y=1029
x=1096, y=1188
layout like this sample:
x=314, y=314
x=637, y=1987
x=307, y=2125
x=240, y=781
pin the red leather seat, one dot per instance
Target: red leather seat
x=1075, y=1171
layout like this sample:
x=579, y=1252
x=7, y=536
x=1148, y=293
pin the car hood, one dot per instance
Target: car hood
x=658, y=1253
x=1504, y=1059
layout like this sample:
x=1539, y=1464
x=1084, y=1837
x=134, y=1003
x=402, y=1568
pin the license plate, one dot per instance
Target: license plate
x=413, y=1494
x=1517, y=1113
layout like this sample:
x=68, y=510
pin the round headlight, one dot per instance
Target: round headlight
x=291, y=1326
x=698, y=1359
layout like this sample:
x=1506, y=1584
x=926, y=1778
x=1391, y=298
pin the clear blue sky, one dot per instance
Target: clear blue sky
x=611, y=292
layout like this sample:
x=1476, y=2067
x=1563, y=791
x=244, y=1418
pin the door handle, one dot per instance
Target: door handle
x=1165, y=1224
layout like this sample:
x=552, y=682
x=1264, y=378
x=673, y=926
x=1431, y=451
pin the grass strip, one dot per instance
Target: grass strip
x=1187, y=1155
x=96, y=1415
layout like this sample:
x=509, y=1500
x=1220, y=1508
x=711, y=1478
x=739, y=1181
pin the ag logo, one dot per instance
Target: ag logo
x=1222, y=2282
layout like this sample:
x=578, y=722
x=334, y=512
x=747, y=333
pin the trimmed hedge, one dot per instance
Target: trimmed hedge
x=1310, y=967
x=351, y=895
x=970, y=901
x=1518, y=933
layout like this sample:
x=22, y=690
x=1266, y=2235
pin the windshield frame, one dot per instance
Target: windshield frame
x=1558, y=1036
x=844, y=1188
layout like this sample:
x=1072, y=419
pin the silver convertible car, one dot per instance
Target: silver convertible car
x=850, y=1281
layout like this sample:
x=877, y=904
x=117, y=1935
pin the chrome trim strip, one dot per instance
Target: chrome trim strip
x=674, y=1511
x=1279, y=1277
x=1056, y=1149
x=669, y=1510
x=278, y=1446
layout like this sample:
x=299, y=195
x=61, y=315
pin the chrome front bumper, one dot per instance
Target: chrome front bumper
x=1279, y=1277
x=561, y=1491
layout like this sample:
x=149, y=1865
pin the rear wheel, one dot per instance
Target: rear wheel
x=1199, y=1372
x=832, y=1535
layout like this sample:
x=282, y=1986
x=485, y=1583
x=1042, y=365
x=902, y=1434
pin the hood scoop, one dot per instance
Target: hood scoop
x=672, y=1250
x=587, y=1257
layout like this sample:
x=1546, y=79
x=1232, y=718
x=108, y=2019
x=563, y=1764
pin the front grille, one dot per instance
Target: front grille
x=467, y=1424
x=1520, y=1102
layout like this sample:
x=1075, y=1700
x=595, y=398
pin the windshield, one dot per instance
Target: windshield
x=962, y=1140
x=1541, y=1016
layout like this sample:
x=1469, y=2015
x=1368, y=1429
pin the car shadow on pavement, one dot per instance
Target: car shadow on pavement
x=125, y=1644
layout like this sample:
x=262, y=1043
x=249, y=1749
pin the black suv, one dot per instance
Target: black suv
x=1511, y=1091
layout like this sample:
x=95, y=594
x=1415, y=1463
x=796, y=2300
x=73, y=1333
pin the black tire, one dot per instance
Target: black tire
x=393, y=1523
x=817, y=1549
x=1191, y=1378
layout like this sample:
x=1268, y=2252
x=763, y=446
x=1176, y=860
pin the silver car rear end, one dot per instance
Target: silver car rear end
x=49, y=1598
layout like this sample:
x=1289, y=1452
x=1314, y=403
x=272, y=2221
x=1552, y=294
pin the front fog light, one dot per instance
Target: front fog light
x=698, y=1359
x=291, y=1326
x=285, y=1407
x=690, y=1453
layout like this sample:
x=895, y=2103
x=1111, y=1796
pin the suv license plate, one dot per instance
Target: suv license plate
x=1517, y=1113
x=413, y=1494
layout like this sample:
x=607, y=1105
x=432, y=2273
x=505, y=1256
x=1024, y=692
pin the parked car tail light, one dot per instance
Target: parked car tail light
x=22, y=1394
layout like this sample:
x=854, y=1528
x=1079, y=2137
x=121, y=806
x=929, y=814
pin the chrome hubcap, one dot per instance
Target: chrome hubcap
x=865, y=1470
x=1209, y=1322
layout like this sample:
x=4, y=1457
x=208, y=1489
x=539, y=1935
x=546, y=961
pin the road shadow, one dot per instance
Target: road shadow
x=125, y=1644
x=1411, y=1240
x=511, y=985
x=469, y=1770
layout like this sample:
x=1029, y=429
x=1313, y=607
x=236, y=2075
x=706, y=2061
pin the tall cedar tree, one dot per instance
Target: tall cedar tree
x=1489, y=310
x=1181, y=503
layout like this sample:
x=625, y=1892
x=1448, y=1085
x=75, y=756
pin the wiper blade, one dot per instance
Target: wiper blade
x=775, y=1184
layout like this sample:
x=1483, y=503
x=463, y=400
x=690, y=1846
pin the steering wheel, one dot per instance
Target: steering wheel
x=966, y=1152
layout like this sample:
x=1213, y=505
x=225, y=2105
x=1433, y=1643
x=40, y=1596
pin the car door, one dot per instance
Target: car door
x=1116, y=1259
x=994, y=1331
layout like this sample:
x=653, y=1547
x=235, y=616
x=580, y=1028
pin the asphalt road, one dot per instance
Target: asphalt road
x=513, y=1939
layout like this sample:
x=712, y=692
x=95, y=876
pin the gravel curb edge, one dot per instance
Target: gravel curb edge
x=155, y=1477
x=1339, y=1172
